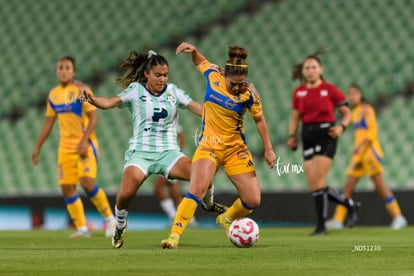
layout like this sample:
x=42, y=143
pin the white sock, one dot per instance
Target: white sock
x=83, y=229
x=167, y=205
x=110, y=218
x=121, y=217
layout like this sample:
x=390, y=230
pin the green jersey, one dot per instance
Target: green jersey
x=154, y=117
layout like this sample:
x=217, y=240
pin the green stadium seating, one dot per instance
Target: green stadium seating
x=370, y=43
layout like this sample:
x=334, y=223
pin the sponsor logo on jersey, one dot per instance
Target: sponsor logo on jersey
x=243, y=154
x=302, y=93
x=229, y=104
x=171, y=98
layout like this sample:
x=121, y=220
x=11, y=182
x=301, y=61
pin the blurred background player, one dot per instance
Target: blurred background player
x=366, y=160
x=78, y=148
x=313, y=103
x=168, y=191
x=228, y=96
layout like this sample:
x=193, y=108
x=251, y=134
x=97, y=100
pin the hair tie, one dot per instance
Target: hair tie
x=237, y=65
x=151, y=53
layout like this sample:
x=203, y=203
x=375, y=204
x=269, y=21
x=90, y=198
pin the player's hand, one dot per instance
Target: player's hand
x=270, y=158
x=335, y=131
x=292, y=143
x=185, y=47
x=34, y=156
x=83, y=148
x=85, y=96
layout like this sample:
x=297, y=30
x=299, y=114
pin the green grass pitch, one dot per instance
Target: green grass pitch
x=280, y=251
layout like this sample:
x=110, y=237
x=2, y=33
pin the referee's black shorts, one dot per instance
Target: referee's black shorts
x=316, y=141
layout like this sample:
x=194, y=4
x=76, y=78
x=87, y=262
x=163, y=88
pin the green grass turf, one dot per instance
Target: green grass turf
x=280, y=251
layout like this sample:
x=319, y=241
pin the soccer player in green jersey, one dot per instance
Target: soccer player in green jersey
x=153, y=147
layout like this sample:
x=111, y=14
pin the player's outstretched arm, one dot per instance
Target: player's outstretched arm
x=195, y=107
x=100, y=102
x=186, y=47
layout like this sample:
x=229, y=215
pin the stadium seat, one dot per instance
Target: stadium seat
x=372, y=52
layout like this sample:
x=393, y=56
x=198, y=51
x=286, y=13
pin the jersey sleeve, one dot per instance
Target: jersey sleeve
x=370, y=119
x=127, y=95
x=255, y=104
x=206, y=68
x=183, y=98
x=50, y=112
x=295, y=101
x=337, y=97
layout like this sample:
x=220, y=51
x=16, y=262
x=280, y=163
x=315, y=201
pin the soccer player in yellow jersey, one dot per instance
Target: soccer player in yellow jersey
x=78, y=148
x=222, y=139
x=366, y=160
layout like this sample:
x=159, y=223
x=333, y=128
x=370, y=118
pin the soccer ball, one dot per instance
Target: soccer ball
x=243, y=232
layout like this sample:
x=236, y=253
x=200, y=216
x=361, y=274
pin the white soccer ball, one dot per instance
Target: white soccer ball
x=243, y=232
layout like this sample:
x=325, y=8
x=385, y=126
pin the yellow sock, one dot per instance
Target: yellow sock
x=340, y=213
x=237, y=210
x=185, y=213
x=74, y=206
x=99, y=199
x=392, y=206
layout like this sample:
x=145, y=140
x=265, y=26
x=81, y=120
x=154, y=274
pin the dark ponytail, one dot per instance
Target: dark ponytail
x=297, y=68
x=136, y=64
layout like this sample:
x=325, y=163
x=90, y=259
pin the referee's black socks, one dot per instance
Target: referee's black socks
x=336, y=197
x=321, y=203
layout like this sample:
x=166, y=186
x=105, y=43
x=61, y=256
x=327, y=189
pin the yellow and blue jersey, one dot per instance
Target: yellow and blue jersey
x=368, y=160
x=365, y=125
x=223, y=112
x=64, y=104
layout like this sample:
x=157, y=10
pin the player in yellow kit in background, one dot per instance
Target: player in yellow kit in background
x=366, y=160
x=78, y=148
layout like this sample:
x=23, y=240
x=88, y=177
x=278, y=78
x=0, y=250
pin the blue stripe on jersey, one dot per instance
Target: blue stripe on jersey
x=223, y=101
x=250, y=102
x=203, y=123
x=208, y=71
x=242, y=135
x=73, y=107
x=379, y=159
x=361, y=124
x=95, y=152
